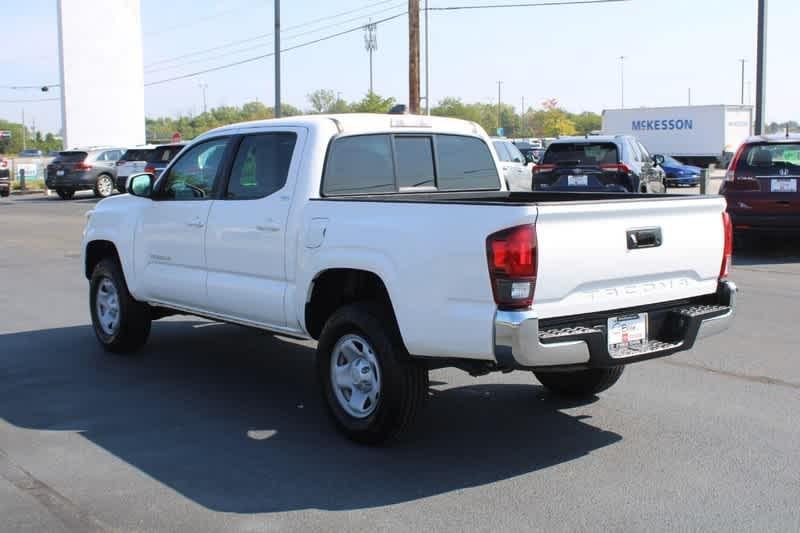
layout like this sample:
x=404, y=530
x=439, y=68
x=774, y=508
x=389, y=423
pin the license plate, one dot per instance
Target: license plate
x=779, y=185
x=577, y=181
x=629, y=331
x=59, y=172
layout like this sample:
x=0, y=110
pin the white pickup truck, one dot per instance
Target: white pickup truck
x=392, y=240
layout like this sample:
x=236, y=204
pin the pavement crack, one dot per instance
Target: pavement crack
x=766, y=380
x=72, y=516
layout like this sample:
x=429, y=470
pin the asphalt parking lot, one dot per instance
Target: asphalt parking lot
x=215, y=427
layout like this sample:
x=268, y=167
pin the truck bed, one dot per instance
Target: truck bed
x=509, y=197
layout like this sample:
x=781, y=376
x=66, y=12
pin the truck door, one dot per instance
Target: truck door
x=170, y=236
x=245, y=241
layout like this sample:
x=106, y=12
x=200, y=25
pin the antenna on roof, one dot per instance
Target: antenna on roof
x=787, y=130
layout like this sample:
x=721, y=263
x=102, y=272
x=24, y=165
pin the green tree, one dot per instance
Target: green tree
x=322, y=100
x=372, y=103
x=587, y=122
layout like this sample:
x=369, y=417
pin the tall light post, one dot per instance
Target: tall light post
x=371, y=44
x=277, y=58
x=622, y=82
x=761, y=66
x=743, y=61
x=427, y=65
x=499, y=87
x=203, y=86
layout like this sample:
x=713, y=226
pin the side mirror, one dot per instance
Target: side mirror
x=530, y=158
x=658, y=159
x=141, y=185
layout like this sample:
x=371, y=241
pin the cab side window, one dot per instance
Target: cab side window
x=195, y=174
x=502, y=153
x=261, y=165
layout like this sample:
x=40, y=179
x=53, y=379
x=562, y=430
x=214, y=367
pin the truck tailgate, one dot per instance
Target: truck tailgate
x=588, y=262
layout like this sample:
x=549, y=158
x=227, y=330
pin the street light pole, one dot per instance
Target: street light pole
x=622, y=82
x=204, y=86
x=499, y=85
x=277, y=58
x=743, y=61
x=371, y=44
x=761, y=66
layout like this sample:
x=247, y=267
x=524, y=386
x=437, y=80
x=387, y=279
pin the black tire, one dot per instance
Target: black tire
x=403, y=383
x=580, y=383
x=65, y=194
x=5, y=193
x=134, y=318
x=104, y=186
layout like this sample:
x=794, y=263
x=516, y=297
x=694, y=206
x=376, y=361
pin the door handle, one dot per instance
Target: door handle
x=269, y=225
x=195, y=223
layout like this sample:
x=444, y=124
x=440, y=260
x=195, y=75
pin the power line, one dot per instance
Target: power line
x=262, y=45
x=532, y=4
x=288, y=28
x=26, y=87
x=270, y=54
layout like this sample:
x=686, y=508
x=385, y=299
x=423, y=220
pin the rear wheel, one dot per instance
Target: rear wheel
x=580, y=383
x=104, y=186
x=121, y=324
x=65, y=194
x=5, y=192
x=372, y=389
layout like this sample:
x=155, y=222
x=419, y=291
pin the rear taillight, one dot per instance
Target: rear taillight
x=512, y=255
x=730, y=175
x=149, y=169
x=546, y=167
x=83, y=166
x=616, y=167
x=727, y=250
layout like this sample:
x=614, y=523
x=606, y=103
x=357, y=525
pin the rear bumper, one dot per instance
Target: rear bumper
x=72, y=181
x=765, y=222
x=522, y=341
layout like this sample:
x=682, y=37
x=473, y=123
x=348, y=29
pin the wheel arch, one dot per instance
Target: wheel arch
x=333, y=288
x=96, y=251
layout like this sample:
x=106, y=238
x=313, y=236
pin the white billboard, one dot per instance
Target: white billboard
x=102, y=72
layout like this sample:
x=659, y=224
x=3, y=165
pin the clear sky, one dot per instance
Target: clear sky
x=567, y=52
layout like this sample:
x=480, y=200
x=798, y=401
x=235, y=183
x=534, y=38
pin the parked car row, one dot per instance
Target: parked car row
x=102, y=170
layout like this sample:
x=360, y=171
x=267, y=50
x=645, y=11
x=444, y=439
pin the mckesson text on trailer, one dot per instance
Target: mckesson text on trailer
x=671, y=124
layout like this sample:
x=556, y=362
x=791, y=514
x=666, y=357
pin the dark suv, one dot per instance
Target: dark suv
x=80, y=170
x=618, y=163
x=761, y=185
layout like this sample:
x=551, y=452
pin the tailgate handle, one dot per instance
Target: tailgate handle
x=644, y=238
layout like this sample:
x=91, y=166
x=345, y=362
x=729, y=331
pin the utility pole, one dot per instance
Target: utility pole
x=743, y=61
x=427, y=65
x=24, y=132
x=499, y=85
x=277, y=58
x=371, y=44
x=761, y=65
x=413, y=56
x=690, y=96
x=522, y=115
x=622, y=82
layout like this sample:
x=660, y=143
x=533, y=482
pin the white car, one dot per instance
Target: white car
x=392, y=240
x=516, y=169
x=133, y=161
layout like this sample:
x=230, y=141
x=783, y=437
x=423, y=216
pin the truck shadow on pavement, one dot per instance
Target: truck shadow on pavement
x=767, y=249
x=231, y=419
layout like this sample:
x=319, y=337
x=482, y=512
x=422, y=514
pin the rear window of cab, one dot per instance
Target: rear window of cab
x=390, y=163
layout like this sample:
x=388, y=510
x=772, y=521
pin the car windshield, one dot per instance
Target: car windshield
x=164, y=154
x=766, y=159
x=671, y=161
x=138, y=154
x=593, y=153
x=72, y=157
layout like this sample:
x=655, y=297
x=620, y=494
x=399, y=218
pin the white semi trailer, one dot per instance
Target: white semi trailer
x=698, y=135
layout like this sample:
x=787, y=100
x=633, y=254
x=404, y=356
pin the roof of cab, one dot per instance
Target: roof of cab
x=353, y=123
x=773, y=138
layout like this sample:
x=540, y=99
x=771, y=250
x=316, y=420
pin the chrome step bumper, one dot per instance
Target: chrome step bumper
x=520, y=343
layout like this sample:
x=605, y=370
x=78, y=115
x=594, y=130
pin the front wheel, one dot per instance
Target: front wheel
x=580, y=383
x=372, y=389
x=104, y=186
x=121, y=324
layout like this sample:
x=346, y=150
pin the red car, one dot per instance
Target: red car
x=761, y=185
